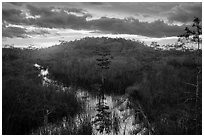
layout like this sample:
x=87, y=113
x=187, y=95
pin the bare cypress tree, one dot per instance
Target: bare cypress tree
x=103, y=119
x=193, y=35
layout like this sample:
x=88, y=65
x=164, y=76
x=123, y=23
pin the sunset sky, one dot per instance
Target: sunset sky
x=44, y=24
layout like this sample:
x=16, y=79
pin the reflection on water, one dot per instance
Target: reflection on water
x=121, y=118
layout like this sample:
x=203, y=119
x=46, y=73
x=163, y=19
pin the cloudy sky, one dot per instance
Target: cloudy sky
x=44, y=24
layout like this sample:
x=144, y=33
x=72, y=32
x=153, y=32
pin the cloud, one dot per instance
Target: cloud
x=111, y=25
x=49, y=18
x=134, y=26
x=11, y=32
x=76, y=10
x=39, y=11
x=96, y=3
x=17, y=3
x=60, y=19
x=38, y=32
x=46, y=11
x=14, y=16
x=185, y=13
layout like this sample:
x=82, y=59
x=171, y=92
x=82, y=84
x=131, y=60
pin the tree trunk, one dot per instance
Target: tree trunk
x=124, y=129
x=196, y=103
x=198, y=43
x=197, y=92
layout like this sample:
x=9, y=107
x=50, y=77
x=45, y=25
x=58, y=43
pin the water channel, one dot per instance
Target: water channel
x=117, y=108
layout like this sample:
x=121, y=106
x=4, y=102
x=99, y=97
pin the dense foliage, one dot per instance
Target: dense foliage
x=25, y=100
x=157, y=78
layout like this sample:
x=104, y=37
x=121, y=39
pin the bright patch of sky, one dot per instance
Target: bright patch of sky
x=56, y=35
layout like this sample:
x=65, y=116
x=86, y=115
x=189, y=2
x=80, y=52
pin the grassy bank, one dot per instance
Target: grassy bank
x=25, y=101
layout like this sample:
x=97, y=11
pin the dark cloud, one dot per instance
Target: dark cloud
x=38, y=32
x=40, y=11
x=47, y=11
x=61, y=19
x=185, y=13
x=134, y=26
x=76, y=10
x=144, y=15
x=13, y=16
x=13, y=32
x=112, y=25
x=95, y=3
x=17, y=3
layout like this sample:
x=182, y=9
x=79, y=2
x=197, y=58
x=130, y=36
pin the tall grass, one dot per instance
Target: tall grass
x=25, y=101
x=156, y=78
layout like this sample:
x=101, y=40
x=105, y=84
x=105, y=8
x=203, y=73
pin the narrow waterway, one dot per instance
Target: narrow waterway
x=123, y=119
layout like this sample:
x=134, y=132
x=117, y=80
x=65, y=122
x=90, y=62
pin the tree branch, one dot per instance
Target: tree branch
x=189, y=99
x=191, y=84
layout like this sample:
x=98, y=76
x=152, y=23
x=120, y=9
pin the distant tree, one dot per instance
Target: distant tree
x=103, y=61
x=62, y=42
x=8, y=46
x=103, y=120
x=154, y=45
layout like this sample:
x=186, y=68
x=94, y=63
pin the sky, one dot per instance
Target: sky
x=43, y=24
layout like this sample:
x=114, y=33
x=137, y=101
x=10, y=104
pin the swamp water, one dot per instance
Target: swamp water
x=120, y=119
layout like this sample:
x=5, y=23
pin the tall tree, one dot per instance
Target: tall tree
x=193, y=34
x=103, y=120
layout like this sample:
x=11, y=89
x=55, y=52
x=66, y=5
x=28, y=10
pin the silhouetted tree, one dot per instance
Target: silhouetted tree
x=103, y=120
x=193, y=34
